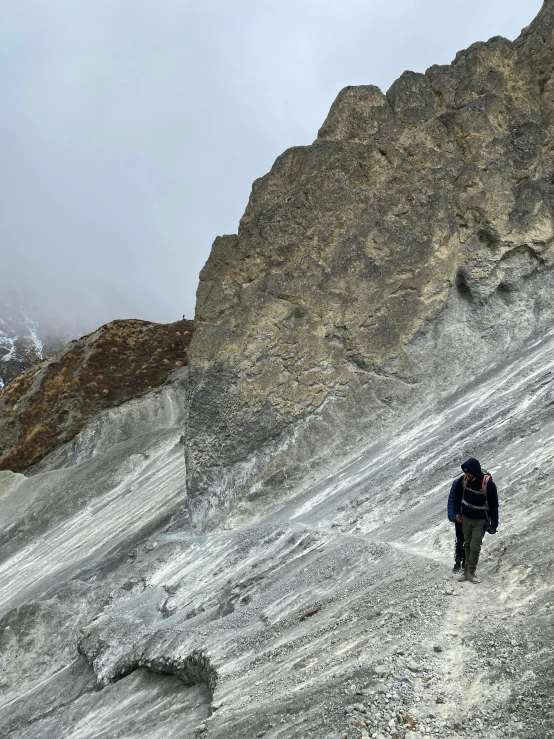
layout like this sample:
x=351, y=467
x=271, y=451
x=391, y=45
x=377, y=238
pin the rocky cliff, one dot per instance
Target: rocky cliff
x=50, y=403
x=409, y=247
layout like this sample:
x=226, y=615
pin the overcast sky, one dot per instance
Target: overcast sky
x=131, y=130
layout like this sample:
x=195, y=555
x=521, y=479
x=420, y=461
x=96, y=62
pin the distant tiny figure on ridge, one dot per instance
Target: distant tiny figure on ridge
x=473, y=506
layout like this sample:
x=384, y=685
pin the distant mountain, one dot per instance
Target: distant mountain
x=24, y=340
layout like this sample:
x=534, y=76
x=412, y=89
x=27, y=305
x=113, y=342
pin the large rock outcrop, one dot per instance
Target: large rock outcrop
x=408, y=247
x=50, y=403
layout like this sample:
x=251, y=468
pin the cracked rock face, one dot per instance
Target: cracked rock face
x=416, y=230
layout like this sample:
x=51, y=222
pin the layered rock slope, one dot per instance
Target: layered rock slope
x=50, y=403
x=117, y=620
x=410, y=246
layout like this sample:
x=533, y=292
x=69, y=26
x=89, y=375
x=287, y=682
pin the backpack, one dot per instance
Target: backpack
x=485, y=507
x=484, y=483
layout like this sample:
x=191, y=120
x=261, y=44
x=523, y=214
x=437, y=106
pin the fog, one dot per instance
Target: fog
x=131, y=131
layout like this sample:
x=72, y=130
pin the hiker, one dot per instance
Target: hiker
x=476, y=509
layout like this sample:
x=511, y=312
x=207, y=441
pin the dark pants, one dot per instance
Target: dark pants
x=474, y=531
x=459, y=551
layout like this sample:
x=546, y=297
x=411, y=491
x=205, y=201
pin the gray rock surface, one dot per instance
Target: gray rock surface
x=319, y=617
x=413, y=238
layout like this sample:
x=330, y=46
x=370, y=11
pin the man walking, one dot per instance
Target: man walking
x=476, y=509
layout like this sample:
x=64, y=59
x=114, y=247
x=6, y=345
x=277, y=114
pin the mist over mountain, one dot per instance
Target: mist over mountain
x=129, y=137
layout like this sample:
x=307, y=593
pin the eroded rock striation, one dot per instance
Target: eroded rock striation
x=116, y=619
x=50, y=403
x=408, y=247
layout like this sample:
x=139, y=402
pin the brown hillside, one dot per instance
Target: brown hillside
x=49, y=403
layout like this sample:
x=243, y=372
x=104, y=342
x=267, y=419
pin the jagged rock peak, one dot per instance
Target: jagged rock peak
x=50, y=403
x=417, y=229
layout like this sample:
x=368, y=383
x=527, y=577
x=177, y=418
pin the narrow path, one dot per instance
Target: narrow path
x=415, y=551
x=455, y=691
x=468, y=694
x=459, y=674
x=399, y=545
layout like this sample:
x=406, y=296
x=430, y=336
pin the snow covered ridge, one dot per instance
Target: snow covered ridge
x=23, y=342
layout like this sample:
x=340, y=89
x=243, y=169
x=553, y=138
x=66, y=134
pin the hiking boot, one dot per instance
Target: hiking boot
x=473, y=578
x=463, y=577
x=457, y=567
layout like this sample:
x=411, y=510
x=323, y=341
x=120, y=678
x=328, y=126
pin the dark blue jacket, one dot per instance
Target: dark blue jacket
x=475, y=498
x=451, y=505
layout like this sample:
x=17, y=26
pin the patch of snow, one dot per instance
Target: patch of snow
x=9, y=343
x=37, y=343
x=33, y=326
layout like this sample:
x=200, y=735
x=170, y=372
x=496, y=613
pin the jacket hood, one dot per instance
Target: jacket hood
x=473, y=466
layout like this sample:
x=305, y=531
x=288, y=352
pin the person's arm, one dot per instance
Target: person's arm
x=458, y=495
x=451, y=504
x=492, y=497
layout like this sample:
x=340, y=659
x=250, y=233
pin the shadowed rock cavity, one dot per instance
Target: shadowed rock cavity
x=418, y=227
x=195, y=669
